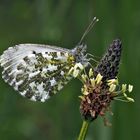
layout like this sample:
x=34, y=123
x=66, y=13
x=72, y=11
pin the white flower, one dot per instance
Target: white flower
x=79, y=65
x=90, y=72
x=112, y=87
x=75, y=73
x=130, y=99
x=92, y=82
x=124, y=88
x=130, y=88
x=112, y=81
x=84, y=77
x=71, y=70
x=98, y=78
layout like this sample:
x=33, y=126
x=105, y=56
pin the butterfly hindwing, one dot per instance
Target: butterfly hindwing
x=36, y=71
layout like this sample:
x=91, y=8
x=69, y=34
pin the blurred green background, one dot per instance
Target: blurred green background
x=62, y=23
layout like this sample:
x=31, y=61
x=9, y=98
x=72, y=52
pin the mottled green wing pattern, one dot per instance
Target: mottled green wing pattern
x=36, y=71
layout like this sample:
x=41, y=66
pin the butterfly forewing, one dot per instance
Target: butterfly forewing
x=36, y=71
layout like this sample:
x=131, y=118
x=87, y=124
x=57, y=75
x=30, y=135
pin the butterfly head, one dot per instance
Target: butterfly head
x=79, y=53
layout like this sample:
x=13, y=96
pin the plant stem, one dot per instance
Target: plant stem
x=83, y=130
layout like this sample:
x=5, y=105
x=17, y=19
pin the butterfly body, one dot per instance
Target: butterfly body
x=40, y=71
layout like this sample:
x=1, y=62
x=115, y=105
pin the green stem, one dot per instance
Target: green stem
x=83, y=130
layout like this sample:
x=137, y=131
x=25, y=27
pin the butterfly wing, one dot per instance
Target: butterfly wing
x=36, y=71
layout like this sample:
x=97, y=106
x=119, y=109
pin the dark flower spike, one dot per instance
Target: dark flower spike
x=101, y=86
x=109, y=65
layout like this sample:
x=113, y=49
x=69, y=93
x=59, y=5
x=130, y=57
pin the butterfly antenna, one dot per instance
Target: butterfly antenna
x=92, y=23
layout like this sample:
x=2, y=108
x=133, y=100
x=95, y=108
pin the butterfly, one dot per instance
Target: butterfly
x=39, y=71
